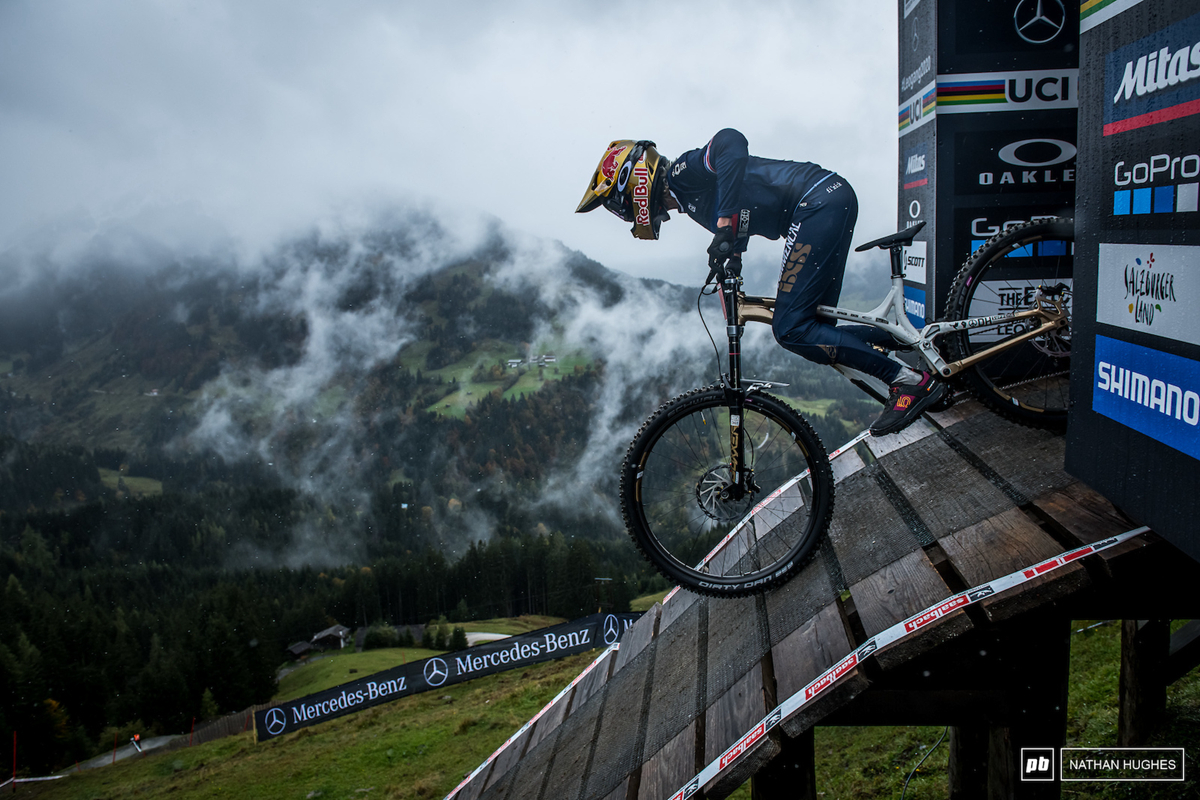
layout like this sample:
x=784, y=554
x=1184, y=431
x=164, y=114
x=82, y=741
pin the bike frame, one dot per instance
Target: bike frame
x=1048, y=311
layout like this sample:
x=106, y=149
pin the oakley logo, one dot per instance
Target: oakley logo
x=1010, y=154
x=1039, y=21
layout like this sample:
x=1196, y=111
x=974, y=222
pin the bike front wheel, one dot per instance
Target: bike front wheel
x=683, y=508
x=1029, y=382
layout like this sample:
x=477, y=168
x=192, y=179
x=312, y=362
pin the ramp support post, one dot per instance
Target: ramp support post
x=1144, y=647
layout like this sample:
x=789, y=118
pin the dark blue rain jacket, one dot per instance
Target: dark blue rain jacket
x=722, y=178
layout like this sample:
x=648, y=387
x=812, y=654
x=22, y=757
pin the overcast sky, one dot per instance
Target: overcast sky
x=251, y=119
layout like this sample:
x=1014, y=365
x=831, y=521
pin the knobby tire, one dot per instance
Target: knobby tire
x=1028, y=383
x=670, y=479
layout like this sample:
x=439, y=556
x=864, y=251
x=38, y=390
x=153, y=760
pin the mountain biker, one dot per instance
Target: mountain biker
x=736, y=195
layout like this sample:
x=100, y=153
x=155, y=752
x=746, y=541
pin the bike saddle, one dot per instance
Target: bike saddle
x=899, y=239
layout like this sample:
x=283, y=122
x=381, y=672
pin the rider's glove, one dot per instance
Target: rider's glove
x=722, y=247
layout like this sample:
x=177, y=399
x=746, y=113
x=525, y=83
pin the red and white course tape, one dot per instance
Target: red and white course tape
x=882, y=639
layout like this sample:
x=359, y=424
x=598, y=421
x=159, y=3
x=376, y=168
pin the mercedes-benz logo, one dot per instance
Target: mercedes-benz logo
x=1039, y=21
x=276, y=721
x=436, y=672
x=612, y=629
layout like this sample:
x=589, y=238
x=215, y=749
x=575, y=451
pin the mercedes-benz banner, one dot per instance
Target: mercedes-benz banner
x=557, y=641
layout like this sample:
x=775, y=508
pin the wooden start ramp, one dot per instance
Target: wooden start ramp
x=957, y=500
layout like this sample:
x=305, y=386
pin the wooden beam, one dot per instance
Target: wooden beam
x=1143, y=695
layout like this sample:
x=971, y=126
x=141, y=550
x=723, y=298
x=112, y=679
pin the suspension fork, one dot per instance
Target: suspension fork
x=730, y=284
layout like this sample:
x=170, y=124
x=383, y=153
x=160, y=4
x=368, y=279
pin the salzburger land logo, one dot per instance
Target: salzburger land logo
x=1149, y=288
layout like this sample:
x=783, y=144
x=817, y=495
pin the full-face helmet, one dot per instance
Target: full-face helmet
x=629, y=182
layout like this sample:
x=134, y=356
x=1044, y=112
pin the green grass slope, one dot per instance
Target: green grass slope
x=422, y=746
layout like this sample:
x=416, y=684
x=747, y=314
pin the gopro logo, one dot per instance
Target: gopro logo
x=1037, y=763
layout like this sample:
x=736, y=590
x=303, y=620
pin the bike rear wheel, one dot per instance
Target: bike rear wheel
x=674, y=491
x=1028, y=383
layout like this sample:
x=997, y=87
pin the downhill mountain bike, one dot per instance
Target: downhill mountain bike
x=727, y=490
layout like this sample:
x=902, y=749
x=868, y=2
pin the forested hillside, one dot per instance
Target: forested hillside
x=203, y=461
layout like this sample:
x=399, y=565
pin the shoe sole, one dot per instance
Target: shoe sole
x=925, y=402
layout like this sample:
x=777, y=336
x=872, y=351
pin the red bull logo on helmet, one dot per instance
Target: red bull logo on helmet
x=608, y=165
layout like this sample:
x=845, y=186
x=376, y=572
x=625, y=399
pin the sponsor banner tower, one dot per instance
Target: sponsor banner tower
x=988, y=99
x=1135, y=364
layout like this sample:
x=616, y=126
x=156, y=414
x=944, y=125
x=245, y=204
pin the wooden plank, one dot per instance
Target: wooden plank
x=882, y=445
x=671, y=767
x=503, y=763
x=637, y=637
x=804, y=656
x=558, y=712
x=572, y=751
x=733, y=714
x=590, y=686
x=619, y=793
x=959, y=412
x=1085, y=514
x=736, y=643
x=679, y=674
x=475, y=788
x=949, y=492
x=866, y=532
x=619, y=739
x=1029, y=459
x=809, y=651
x=679, y=603
x=1004, y=544
x=797, y=601
x=898, y=591
x=846, y=465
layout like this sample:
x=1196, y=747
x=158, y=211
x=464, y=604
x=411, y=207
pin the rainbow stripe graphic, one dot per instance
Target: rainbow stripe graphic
x=929, y=100
x=971, y=93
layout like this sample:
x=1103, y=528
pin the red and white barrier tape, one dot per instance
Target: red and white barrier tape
x=882, y=639
x=609, y=651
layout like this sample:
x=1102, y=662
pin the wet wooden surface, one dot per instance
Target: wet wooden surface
x=959, y=499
